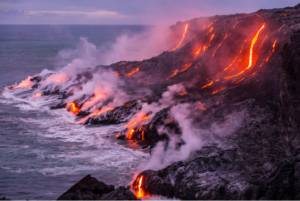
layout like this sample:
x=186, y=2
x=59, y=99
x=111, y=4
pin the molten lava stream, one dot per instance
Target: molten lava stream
x=175, y=73
x=219, y=46
x=197, y=53
x=264, y=39
x=216, y=91
x=210, y=83
x=186, y=67
x=136, y=70
x=139, y=191
x=250, y=56
x=186, y=27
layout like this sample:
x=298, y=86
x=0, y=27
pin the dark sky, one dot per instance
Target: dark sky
x=125, y=11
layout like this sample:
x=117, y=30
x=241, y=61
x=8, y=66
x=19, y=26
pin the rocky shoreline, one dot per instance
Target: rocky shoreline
x=89, y=188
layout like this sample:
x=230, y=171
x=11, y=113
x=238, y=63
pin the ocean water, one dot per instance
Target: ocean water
x=44, y=152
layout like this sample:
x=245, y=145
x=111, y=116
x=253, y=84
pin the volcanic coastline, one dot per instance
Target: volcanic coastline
x=219, y=112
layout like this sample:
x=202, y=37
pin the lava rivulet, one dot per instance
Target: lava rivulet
x=250, y=56
x=183, y=36
x=139, y=192
x=131, y=73
x=186, y=67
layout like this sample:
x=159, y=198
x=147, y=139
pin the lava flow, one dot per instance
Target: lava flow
x=136, y=70
x=250, y=56
x=186, y=27
x=139, y=192
x=24, y=83
x=73, y=108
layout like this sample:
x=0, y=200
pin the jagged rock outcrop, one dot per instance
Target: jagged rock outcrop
x=89, y=188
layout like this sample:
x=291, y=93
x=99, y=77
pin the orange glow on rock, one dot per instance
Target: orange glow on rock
x=24, y=83
x=132, y=124
x=198, y=52
x=201, y=106
x=210, y=83
x=183, y=36
x=181, y=94
x=216, y=91
x=175, y=73
x=101, y=111
x=186, y=67
x=37, y=95
x=211, y=29
x=131, y=73
x=130, y=133
x=212, y=36
x=264, y=40
x=219, y=45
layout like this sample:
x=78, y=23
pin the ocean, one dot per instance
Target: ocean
x=44, y=152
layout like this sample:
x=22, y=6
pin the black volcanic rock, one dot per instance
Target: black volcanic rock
x=290, y=94
x=89, y=188
x=117, y=115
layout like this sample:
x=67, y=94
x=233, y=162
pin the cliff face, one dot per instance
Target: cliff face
x=290, y=94
x=238, y=78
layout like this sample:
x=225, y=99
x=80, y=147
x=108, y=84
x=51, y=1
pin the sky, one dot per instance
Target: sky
x=125, y=12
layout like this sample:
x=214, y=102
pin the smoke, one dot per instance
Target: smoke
x=151, y=42
x=84, y=55
x=106, y=88
x=192, y=138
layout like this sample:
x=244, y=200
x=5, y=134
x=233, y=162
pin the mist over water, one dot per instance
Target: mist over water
x=43, y=152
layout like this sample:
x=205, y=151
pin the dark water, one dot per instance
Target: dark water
x=44, y=152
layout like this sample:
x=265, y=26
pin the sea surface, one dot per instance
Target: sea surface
x=43, y=152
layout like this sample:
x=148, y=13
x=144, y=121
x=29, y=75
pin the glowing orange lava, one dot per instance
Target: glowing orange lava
x=73, y=107
x=201, y=106
x=219, y=46
x=216, y=91
x=264, y=40
x=252, y=45
x=251, y=54
x=101, y=111
x=145, y=118
x=198, y=52
x=211, y=82
x=24, y=83
x=136, y=70
x=210, y=30
x=186, y=67
x=186, y=27
x=138, y=188
x=37, y=95
x=175, y=73
x=212, y=36
x=132, y=124
x=130, y=133
x=181, y=94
